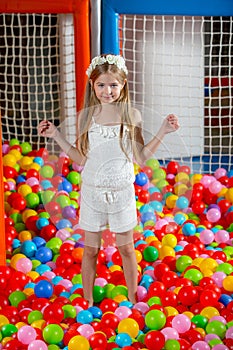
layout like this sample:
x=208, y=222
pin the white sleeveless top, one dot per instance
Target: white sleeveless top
x=107, y=166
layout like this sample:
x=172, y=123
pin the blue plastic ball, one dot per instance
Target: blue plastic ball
x=123, y=339
x=44, y=255
x=43, y=289
x=141, y=179
x=28, y=248
x=39, y=241
x=63, y=223
x=65, y=185
x=84, y=317
x=42, y=222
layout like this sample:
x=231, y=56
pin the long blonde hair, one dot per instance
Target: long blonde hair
x=91, y=102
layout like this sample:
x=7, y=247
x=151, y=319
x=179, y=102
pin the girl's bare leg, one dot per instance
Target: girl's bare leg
x=126, y=248
x=90, y=255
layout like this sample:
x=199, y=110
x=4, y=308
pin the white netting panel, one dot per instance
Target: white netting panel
x=172, y=61
x=31, y=74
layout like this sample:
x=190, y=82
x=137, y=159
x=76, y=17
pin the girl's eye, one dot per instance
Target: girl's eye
x=114, y=85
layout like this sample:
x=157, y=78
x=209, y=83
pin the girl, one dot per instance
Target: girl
x=109, y=135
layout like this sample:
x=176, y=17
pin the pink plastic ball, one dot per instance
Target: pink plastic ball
x=200, y=345
x=100, y=281
x=142, y=307
x=122, y=312
x=170, y=333
x=215, y=187
x=229, y=333
x=86, y=330
x=141, y=293
x=213, y=215
x=37, y=345
x=181, y=323
x=26, y=334
x=220, y=172
x=24, y=265
x=206, y=236
x=218, y=278
x=221, y=236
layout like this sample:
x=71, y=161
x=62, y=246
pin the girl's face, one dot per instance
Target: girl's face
x=107, y=88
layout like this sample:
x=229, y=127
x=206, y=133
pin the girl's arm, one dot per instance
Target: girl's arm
x=48, y=129
x=145, y=151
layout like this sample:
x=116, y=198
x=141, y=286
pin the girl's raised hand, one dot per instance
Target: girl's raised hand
x=47, y=129
x=170, y=123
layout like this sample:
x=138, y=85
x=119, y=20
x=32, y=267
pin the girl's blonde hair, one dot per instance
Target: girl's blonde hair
x=91, y=102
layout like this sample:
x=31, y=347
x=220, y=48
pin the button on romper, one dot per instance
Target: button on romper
x=107, y=191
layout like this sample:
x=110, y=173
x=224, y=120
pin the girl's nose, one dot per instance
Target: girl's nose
x=108, y=90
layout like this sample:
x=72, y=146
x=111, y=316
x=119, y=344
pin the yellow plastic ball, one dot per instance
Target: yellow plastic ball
x=27, y=213
x=171, y=201
x=24, y=190
x=3, y=320
x=25, y=236
x=35, y=166
x=138, y=255
x=78, y=342
x=170, y=311
x=209, y=312
x=166, y=250
x=169, y=240
x=196, y=178
x=25, y=162
x=120, y=298
x=229, y=194
x=209, y=264
x=128, y=326
x=228, y=283
x=9, y=160
x=182, y=177
x=180, y=189
x=15, y=258
x=16, y=154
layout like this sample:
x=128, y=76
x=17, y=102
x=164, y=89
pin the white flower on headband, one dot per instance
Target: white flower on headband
x=110, y=59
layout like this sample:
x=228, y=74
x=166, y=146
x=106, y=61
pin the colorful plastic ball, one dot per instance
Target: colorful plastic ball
x=141, y=179
x=216, y=327
x=42, y=222
x=182, y=202
x=207, y=236
x=32, y=200
x=84, y=317
x=98, y=340
x=69, y=212
x=98, y=293
x=47, y=171
x=155, y=319
x=150, y=254
x=43, y=289
x=53, y=334
x=78, y=342
x=213, y=215
x=181, y=323
x=183, y=262
x=227, y=283
x=154, y=337
x=26, y=334
x=129, y=326
x=188, y=229
x=16, y=297
x=123, y=340
x=37, y=345
x=44, y=254
x=24, y=265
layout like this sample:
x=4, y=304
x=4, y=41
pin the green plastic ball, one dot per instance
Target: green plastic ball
x=53, y=334
x=150, y=254
x=74, y=177
x=155, y=319
x=98, y=294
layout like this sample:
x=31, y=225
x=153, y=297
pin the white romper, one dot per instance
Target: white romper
x=107, y=191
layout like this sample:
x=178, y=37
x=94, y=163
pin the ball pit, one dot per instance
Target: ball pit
x=183, y=246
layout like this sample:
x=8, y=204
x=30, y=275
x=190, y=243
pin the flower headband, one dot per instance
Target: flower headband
x=110, y=59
